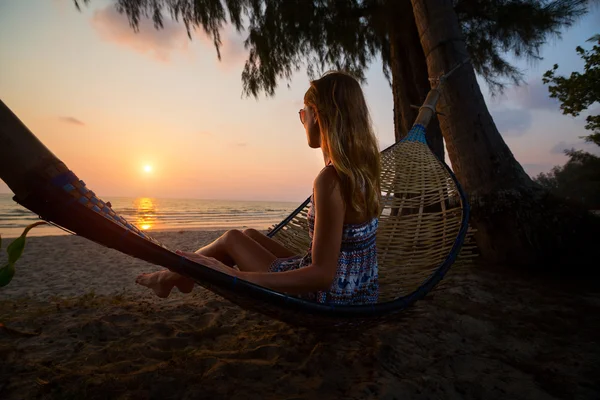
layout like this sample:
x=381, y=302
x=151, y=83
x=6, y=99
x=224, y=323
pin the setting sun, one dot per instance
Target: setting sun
x=147, y=168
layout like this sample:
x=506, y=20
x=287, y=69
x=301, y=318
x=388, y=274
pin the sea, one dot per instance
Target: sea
x=156, y=214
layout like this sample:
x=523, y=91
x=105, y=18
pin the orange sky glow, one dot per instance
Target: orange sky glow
x=110, y=102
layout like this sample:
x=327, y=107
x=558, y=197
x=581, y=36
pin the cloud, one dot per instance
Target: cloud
x=534, y=170
x=512, y=121
x=72, y=121
x=534, y=96
x=240, y=144
x=160, y=44
x=560, y=147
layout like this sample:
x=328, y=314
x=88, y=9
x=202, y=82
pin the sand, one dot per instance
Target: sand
x=77, y=327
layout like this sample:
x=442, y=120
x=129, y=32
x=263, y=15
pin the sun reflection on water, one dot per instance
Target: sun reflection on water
x=146, y=213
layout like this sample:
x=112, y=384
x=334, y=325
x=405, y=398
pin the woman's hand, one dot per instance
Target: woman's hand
x=209, y=262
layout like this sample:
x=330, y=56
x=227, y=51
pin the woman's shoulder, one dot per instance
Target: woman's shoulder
x=327, y=180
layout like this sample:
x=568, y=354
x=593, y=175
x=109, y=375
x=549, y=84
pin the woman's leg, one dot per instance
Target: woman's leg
x=232, y=248
x=273, y=246
x=238, y=248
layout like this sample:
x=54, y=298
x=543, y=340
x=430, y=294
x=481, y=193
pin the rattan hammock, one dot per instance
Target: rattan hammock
x=422, y=226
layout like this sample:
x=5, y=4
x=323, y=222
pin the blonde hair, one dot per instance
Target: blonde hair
x=347, y=138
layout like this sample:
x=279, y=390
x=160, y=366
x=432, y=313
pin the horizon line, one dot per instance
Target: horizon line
x=184, y=198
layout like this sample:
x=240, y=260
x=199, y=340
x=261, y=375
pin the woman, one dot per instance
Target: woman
x=340, y=266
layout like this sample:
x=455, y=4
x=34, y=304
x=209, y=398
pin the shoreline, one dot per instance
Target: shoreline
x=152, y=233
x=42, y=231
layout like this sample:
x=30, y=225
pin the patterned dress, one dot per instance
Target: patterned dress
x=356, y=280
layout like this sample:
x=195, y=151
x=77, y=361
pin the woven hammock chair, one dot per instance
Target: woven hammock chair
x=422, y=226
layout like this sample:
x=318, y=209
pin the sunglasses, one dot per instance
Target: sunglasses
x=302, y=114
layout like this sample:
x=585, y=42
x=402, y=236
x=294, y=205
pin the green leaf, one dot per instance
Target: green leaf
x=6, y=274
x=30, y=227
x=15, y=249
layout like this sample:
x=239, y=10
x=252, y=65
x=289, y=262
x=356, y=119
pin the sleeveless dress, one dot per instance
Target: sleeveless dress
x=356, y=280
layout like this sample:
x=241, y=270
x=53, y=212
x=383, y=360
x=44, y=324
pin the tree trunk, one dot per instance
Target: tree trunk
x=22, y=155
x=410, y=82
x=516, y=221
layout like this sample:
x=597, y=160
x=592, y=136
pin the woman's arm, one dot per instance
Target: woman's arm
x=327, y=240
x=299, y=281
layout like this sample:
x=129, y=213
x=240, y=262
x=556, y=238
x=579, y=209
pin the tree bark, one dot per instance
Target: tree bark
x=22, y=155
x=410, y=82
x=516, y=221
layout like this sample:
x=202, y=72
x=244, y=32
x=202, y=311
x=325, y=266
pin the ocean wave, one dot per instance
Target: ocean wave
x=171, y=213
x=15, y=211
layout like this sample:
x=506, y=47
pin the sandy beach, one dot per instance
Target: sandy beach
x=76, y=326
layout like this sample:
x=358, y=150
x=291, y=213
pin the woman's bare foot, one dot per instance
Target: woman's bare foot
x=162, y=282
x=183, y=284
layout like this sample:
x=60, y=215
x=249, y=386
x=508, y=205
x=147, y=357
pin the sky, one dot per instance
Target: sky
x=112, y=103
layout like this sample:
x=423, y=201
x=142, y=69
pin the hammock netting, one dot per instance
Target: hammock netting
x=423, y=224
